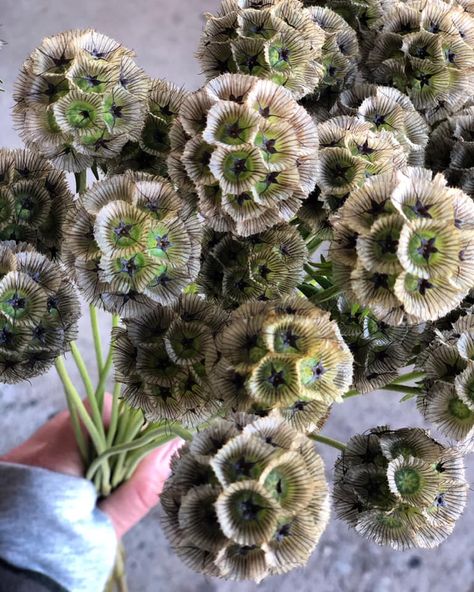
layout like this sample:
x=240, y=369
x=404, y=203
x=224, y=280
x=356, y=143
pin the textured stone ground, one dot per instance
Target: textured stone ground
x=164, y=33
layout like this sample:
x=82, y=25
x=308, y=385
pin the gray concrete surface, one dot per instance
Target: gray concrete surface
x=165, y=33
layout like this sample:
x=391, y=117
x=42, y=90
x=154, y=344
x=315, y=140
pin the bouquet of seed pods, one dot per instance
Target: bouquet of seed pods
x=298, y=231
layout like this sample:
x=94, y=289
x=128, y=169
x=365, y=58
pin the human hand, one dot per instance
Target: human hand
x=53, y=447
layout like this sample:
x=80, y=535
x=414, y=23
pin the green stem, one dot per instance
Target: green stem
x=76, y=402
x=105, y=369
x=114, y=416
x=96, y=336
x=81, y=182
x=351, y=393
x=411, y=376
x=145, y=440
x=406, y=390
x=76, y=427
x=135, y=458
x=328, y=441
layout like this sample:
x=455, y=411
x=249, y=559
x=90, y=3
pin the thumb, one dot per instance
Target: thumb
x=133, y=500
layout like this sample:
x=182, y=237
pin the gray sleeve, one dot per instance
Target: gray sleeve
x=49, y=524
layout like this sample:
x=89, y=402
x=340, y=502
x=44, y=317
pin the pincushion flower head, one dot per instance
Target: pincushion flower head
x=287, y=357
x=277, y=40
x=135, y=243
x=149, y=153
x=166, y=357
x=380, y=351
x=248, y=150
x=403, y=246
x=39, y=310
x=80, y=98
x=387, y=109
x=362, y=15
x=351, y=151
x=35, y=201
x=246, y=501
x=426, y=50
x=264, y=266
x=400, y=488
x=451, y=150
x=447, y=399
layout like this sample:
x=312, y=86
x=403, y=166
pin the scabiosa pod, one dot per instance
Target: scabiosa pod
x=451, y=150
x=166, y=358
x=362, y=15
x=246, y=501
x=248, y=149
x=287, y=357
x=277, y=40
x=380, y=351
x=387, y=109
x=426, y=50
x=150, y=152
x=400, y=488
x=447, y=400
x=39, y=310
x=265, y=266
x=350, y=152
x=35, y=201
x=340, y=54
x=403, y=246
x=135, y=243
x=80, y=97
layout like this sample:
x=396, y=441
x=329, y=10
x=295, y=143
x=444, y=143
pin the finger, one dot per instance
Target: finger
x=135, y=498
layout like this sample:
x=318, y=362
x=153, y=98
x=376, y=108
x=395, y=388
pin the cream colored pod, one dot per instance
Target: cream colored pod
x=403, y=246
x=247, y=498
x=80, y=98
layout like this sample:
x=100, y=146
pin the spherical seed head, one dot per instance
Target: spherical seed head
x=379, y=350
x=425, y=50
x=264, y=266
x=35, y=201
x=362, y=15
x=351, y=151
x=451, y=150
x=340, y=54
x=136, y=243
x=244, y=503
x=80, y=98
x=276, y=40
x=402, y=246
x=249, y=151
x=387, y=109
x=166, y=359
x=447, y=400
x=400, y=488
x=286, y=357
x=39, y=310
x=150, y=151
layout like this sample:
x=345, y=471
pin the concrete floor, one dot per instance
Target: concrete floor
x=164, y=34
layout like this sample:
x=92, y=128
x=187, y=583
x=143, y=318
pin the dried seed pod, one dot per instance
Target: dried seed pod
x=135, y=243
x=278, y=40
x=286, y=357
x=425, y=49
x=39, y=310
x=253, y=505
x=79, y=99
x=380, y=351
x=451, y=150
x=402, y=246
x=149, y=153
x=362, y=15
x=249, y=150
x=387, y=109
x=447, y=400
x=265, y=266
x=400, y=488
x=340, y=54
x=166, y=359
x=34, y=201
x=351, y=151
